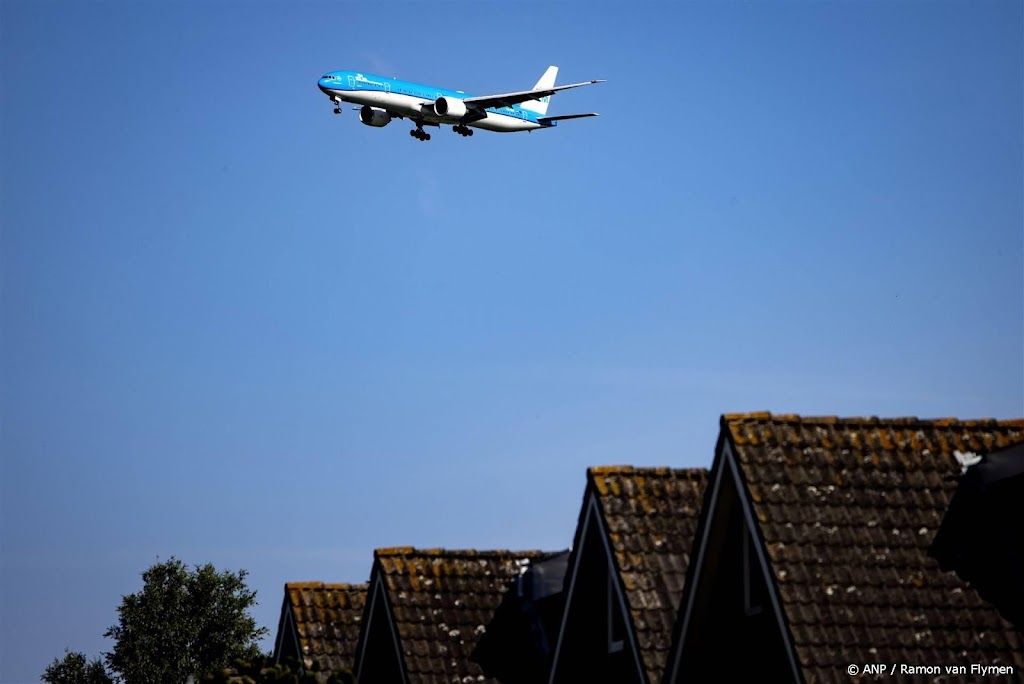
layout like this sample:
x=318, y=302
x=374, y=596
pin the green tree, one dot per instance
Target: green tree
x=183, y=622
x=74, y=669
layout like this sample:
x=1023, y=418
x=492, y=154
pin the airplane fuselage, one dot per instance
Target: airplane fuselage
x=416, y=101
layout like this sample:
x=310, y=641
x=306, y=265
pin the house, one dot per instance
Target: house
x=428, y=610
x=626, y=573
x=814, y=559
x=319, y=625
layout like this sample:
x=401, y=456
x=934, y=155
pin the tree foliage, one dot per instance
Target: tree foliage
x=183, y=622
x=75, y=669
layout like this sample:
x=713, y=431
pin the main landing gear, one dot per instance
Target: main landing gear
x=464, y=131
x=419, y=133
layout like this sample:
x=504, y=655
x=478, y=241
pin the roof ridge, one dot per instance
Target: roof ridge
x=766, y=416
x=469, y=553
x=393, y=551
x=325, y=585
x=598, y=471
x=609, y=469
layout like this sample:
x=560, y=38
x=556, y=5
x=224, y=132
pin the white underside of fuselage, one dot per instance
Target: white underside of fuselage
x=418, y=109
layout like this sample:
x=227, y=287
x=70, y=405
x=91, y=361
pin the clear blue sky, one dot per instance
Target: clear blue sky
x=239, y=329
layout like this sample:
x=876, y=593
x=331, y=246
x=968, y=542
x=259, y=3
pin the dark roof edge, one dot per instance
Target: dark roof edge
x=753, y=526
x=592, y=501
x=377, y=584
x=724, y=461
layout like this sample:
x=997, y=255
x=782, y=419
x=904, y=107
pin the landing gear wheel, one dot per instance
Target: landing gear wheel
x=337, y=110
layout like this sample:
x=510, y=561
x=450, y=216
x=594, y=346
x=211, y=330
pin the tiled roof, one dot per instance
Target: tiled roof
x=651, y=515
x=442, y=602
x=327, y=618
x=847, y=510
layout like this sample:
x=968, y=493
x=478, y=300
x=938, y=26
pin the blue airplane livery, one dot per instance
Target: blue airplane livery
x=383, y=99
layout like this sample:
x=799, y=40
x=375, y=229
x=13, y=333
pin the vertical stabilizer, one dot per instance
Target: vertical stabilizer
x=546, y=81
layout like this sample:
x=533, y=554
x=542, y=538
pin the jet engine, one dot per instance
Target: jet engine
x=450, y=107
x=374, y=117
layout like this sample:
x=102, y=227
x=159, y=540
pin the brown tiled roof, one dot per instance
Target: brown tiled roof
x=442, y=602
x=327, y=618
x=651, y=515
x=847, y=510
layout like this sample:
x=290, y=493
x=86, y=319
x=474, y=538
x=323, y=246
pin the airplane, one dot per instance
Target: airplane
x=383, y=99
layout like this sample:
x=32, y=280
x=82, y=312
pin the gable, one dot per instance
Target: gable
x=729, y=595
x=379, y=654
x=286, y=646
x=651, y=516
x=596, y=641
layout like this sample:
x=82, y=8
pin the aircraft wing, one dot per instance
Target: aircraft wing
x=564, y=117
x=509, y=99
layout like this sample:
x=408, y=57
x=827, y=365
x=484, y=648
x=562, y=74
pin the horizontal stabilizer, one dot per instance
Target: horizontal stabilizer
x=549, y=119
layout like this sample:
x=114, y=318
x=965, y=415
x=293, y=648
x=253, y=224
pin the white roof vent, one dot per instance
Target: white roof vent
x=966, y=459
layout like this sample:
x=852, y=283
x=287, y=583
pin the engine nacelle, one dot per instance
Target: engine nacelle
x=450, y=108
x=374, y=117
